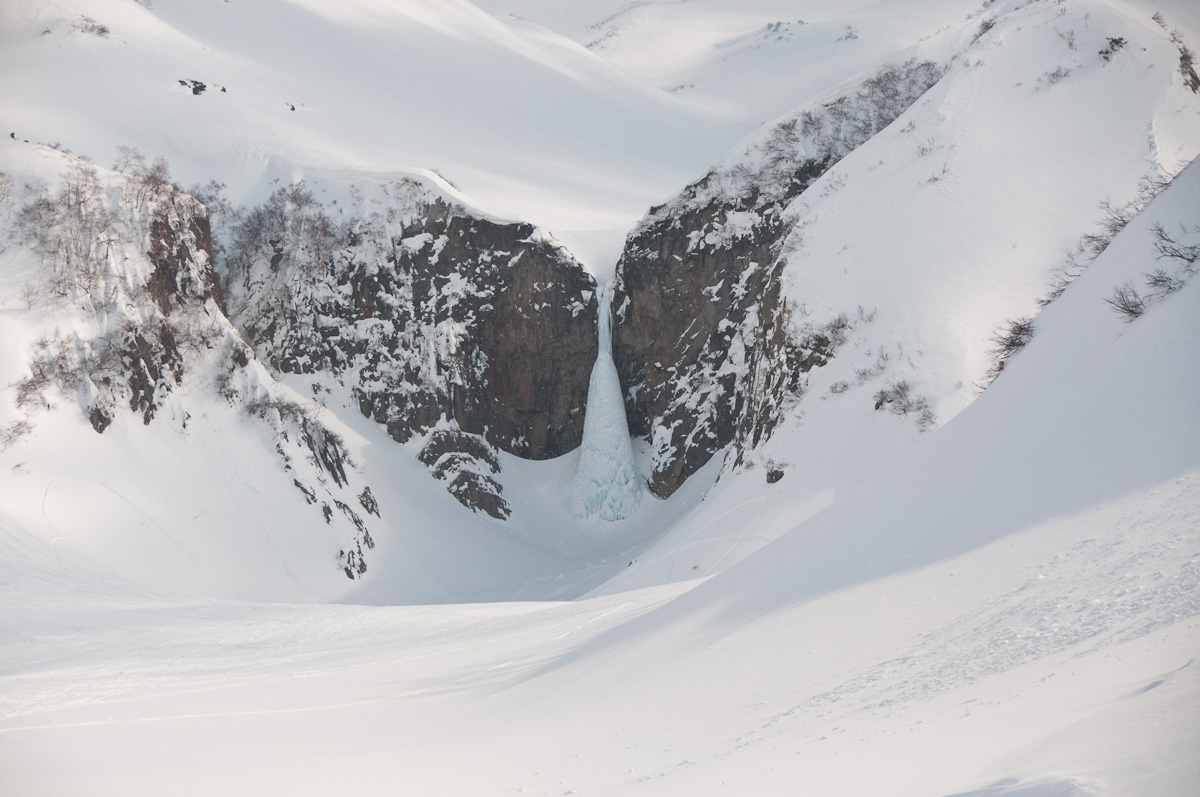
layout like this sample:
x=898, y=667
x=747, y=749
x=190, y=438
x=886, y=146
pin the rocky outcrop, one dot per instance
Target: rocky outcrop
x=426, y=311
x=703, y=341
x=433, y=316
x=464, y=462
x=179, y=246
x=309, y=449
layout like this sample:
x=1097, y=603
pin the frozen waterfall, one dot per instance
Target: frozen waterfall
x=606, y=484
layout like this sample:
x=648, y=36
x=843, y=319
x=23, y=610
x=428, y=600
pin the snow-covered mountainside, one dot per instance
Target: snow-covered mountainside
x=892, y=227
x=619, y=397
x=929, y=634
x=123, y=320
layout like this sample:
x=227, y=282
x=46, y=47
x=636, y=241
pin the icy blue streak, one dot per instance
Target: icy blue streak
x=606, y=484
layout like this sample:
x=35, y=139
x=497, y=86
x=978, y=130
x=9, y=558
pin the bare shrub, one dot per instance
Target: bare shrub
x=834, y=129
x=1187, y=58
x=1187, y=68
x=1059, y=74
x=1092, y=245
x=73, y=232
x=30, y=388
x=783, y=142
x=55, y=363
x=1114, y=219
x=7, y=188
x=126, y=158
x=898, y=398
x=838, y=329
x=1127, y=303
x=290, y=226
x=10, y=435
x=89, y=25
x=1013, y=335
x=1170, y=248
x=1161, y=284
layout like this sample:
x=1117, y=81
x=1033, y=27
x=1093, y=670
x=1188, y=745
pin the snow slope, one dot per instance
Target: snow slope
x=748, y=61
x=376, y=87
x=926, y=240
x=946, y=262
x=1008, y=609
x=1005, y=605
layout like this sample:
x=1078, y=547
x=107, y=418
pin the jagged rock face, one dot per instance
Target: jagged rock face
x=460, y=459
x=430, y=312
x=702, y=336
x=180, y=248
x=703, y=341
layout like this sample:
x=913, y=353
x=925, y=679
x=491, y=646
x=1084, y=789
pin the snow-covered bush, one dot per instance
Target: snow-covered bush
x=898, y=398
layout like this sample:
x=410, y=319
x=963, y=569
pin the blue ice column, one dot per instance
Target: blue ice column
x=606, y=484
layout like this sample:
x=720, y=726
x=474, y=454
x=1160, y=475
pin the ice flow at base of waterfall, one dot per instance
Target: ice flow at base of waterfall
x=606, y=484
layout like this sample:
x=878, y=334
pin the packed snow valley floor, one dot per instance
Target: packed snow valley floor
x=600, y=398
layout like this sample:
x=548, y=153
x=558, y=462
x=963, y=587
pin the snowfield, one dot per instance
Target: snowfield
x=985, y=583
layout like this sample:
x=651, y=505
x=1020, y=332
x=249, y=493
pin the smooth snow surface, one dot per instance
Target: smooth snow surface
x=606, y=484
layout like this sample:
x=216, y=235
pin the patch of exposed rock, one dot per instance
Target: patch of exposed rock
x=464, y=461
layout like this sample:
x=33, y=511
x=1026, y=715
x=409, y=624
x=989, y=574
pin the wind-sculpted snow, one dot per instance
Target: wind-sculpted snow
x=606, y=484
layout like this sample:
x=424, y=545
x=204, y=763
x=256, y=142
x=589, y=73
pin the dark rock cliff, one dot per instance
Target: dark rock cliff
x=180, y=248
x=433, y=316
x=703, y=341
x=426, y=311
